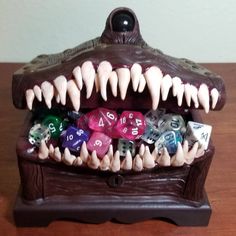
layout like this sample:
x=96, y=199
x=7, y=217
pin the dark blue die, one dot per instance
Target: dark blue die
x=74, y=138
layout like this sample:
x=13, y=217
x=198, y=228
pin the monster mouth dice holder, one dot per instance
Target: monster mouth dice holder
x=112, y=75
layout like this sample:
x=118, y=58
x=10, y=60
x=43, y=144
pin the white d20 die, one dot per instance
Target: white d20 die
x=197, y=132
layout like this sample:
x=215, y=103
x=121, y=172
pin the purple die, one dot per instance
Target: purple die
x=74, y=138
x=100, y=143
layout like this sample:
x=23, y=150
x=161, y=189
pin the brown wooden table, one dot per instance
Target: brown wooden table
x=220, y=184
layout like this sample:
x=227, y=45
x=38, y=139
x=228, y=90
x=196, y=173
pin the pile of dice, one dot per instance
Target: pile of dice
x=128, y=130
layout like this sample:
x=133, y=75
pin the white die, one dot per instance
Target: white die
x=197, y=132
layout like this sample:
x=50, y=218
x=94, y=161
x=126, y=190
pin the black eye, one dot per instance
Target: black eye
x=123, y=21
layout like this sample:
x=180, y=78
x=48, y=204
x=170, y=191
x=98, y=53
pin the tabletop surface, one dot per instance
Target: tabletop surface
x=220, y=183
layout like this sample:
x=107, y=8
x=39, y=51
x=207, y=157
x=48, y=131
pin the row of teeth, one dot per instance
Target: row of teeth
x=111, y=161
x=158, y=85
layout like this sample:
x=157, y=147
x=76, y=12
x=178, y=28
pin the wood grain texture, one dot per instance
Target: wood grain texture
x=220, y=183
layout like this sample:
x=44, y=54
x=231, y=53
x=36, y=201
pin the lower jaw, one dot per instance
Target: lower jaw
x=116, y=163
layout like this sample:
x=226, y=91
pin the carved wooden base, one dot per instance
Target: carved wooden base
x=99, y=209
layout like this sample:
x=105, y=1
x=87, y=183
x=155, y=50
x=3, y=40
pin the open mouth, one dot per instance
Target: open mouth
x=117, y=77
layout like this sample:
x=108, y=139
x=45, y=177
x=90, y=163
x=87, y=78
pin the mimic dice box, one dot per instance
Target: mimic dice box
x=113, y=132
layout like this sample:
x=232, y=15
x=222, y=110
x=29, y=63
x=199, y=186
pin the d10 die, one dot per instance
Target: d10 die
x=169, y=139
x=55, y=124
x=99, y=142
x=131, y=125
x=38, y=133
x=124, y=145
x=74, y=138
x=100, y=119
x=197, y=132
x=151, y=134
x=172, y=122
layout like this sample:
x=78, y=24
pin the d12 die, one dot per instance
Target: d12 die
x=131, y=125
x=74, y=138
x=101, y=118
x=197, y=132
x=172, y=122
x=124, y=145
x=151, y=134
x=169, y=139
x=55, y=124
x=38, y=133
x=99, y=142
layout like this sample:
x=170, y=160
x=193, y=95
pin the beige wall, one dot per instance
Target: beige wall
x=203, y=30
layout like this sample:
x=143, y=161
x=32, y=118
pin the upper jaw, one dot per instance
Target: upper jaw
x=133, y=72
x=199, y=87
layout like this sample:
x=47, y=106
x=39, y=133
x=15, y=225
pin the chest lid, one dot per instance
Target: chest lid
x=118, y=69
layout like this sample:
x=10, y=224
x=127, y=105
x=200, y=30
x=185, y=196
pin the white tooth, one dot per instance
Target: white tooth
x=194, y=96
x=164, y=159
x=178, y=158
x=127, y=162
x=180, y=94
x=48, y=93
x=78, y=161
x=88, y=75
x=43, y=150
x=142, y=83
x=214, y=97
x=155, y=155
x=166, y=84
x=78, y=77
x=96, y=81
x=113, y=79
x=67, y=158
x=38, y=92
x=51, y=150
x=123, y=81
x=187, y=93
x=137, y=163
x=29, y=95
x=110, y=152
x=185, y=147
x=57, y=154
x=176, y=81
x=61, y=85
x=93, y=161
x=115, y=163
x=200, y=151
x=74, y=94
x=141, y=149
x=203, y=97
x=148, y=160
x=153, y=77
x=104, y=70
x=57, y=96
x=135, y=73
x=84, y=152
x=189, y=158
x=105, y=163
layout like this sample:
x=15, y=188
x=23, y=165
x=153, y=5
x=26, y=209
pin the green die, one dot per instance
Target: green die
x=38, y=133
x=55, y=124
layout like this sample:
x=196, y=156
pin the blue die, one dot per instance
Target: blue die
x=73, y=138
x=169, y=139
